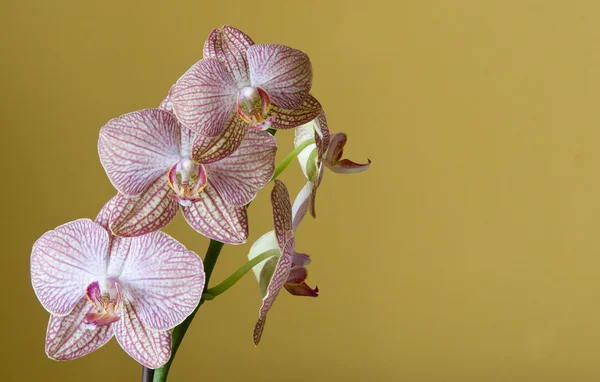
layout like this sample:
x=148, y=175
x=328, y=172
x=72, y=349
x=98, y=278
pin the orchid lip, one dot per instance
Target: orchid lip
x=253, y=106
x=107, y=301
x=187, y=180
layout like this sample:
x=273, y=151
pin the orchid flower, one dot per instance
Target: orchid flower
x=96, y=285
x=327, y=152
x=286, y=268
x=240, y=84
x=158, y=166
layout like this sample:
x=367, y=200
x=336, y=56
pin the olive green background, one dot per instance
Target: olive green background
x=469, y=251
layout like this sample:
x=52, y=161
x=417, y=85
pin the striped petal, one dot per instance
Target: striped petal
x=68, y=337
x=282, y=220
x=65, y=261
x=162, y=280
x=139, y=147
x=285, y=73
x=151, y=348
x=103, y=217
x=241, y=175
x=147, y=212
x=288, y=119
x=166, y=105
x=282, y=214
x=215, y=219
x=323, y=133
x=211, y=149
x=204, y=97
x=229, y=45
x=333, y=159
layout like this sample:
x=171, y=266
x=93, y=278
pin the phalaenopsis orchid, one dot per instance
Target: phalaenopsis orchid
x=207, y=150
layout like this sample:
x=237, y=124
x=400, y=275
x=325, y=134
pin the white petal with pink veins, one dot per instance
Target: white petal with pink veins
x=229, y=45
x=151, y=348
x=238, y=177
x=282, y=221
x=68, y=337
x=285, y=73
x=147, y=212
x=204, y=97
x=137, y=148
x=211, y=149
x=65, y=261
x=162, y=280
x=215, y=219
x=288, y=119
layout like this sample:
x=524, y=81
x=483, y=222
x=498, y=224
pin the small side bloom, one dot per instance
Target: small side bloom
x=158, y=167
x=95, y=285
x=327, y=152
x=286, y=268
x=238, y=83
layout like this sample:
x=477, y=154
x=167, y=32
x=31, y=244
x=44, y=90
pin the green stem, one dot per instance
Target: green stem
x=237, y=275
x=291, y=156
x=212, y=254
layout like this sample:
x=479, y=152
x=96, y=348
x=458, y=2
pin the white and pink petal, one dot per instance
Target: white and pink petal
x=211, y=149
x=204, y=97
x=238, y=177
x=229, y=45
x=285, y=73
x=68, y=337
x=151, y=348
x=147, y=212
x=137, y=148
x=289, y=119
x=162, y=280
x=65, y=261
x=217, y=220
x=282, y=220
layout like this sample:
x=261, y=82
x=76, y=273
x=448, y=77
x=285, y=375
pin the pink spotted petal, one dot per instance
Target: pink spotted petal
x=242, y=174
x=285, y=73
x=346, y=166
x=288, y=119
x=151, y=348
x=211, y=149
x=139, y=147
x=302, y=289
x=162, y=280
x=215, y=219
x=68, y=337
x=65, y=261
x=229, y=45
x=147, y=212
x=204, y=97
x=282, y=220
